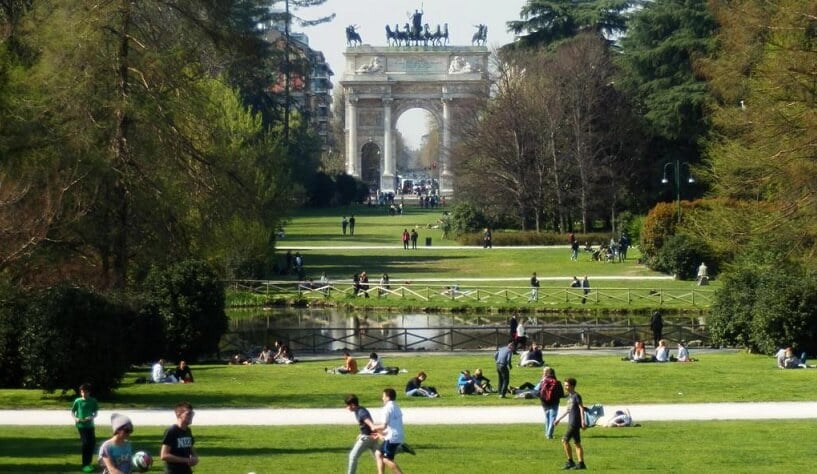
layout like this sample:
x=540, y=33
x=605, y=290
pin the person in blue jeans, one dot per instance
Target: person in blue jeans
x=550, y=393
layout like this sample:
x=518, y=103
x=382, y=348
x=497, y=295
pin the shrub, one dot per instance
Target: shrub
x=11, y=326
x=681, y=255
x=501, y=238
x=785, y=312
x=70, y=336
x=730, y=320
x=467, y=218
x=659, y=225
x=765, y=307
x=188, y=298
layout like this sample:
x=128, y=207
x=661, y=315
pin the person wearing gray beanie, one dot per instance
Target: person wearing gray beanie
x=119, y=421
x=116, y=453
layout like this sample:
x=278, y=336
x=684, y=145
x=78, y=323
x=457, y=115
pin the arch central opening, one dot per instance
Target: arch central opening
x=417, y=151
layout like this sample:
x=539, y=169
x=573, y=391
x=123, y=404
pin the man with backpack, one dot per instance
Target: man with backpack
x=550, y=392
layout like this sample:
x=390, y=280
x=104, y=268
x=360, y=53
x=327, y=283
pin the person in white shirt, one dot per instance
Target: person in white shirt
x=158, y=373
x=374, y=366
x=683, y=353
x=392, y=432
x=662, y=352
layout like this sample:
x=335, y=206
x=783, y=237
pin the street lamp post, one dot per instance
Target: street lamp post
x=676, y=172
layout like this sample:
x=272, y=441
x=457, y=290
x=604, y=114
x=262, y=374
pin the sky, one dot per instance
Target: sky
x=371, y=17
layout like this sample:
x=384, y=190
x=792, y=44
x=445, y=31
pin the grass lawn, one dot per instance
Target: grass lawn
x=716, y=446
x=602, y=379
x=428, y=271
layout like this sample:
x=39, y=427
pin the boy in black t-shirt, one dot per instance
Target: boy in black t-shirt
x=177, y=450
x=575, y=423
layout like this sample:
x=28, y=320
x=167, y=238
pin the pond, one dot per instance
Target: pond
x=329, y=330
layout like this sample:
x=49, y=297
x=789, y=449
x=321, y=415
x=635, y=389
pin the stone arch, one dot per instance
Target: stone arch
x=434, y=79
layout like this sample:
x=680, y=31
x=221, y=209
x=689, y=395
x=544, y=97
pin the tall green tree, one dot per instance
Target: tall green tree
x=548, y=22
x=157, y=155
x=663, y=41
x=762, y=162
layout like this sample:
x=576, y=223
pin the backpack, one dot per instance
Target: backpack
x=550, y=391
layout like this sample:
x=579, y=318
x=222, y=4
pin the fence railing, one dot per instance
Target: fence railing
x=429, y=292
x=459, y=338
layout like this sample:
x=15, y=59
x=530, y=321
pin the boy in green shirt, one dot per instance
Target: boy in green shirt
x=84, y=411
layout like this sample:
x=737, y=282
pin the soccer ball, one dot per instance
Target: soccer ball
x=142, y=461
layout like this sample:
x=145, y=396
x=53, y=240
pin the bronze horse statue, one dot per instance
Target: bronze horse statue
x=352, y=38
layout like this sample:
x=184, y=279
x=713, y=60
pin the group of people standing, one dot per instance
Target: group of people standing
x=407, y=237
x=550, y=392
x=348, y=224
x=115, y=454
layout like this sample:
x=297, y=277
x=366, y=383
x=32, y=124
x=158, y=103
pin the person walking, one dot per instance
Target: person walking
x=367, y=439
x=414, y=237
x=344, y=223
x=486, y=239
x=391, y=431
x=352, y=225
x=551, y=392
x=657, y=327
x=534, y=289
x=84, y=411
x=575, y=423
x=503, y=357
x=178, y=450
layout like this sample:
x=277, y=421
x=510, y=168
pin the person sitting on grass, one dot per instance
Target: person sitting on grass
x=483, y=381
x=662, y=351
x=182, y=373
x=683, y=352
x=158, y=374
x=533, y=357
x=349, y=365
x=638, y=353
x=415, y=388
x=374, y=366
x=466, y=385
x=791, y=361
x=283, y=354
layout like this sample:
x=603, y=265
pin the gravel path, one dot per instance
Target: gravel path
x=531, y=412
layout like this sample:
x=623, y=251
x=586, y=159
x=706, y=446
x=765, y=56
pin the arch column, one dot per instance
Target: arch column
x=352, y=150
x=387, y=177
x=446, y=181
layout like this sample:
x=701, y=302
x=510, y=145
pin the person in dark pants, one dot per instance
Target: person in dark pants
x=502, y=357
x=575, y=423
x=657, y=327
x=84, y=411
x=351, y=225
x=586, y=289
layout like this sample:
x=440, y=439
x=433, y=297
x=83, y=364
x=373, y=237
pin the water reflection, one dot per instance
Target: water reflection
x=326, y=330
x=320, y=330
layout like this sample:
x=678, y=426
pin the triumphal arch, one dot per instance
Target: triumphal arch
x=380, y=83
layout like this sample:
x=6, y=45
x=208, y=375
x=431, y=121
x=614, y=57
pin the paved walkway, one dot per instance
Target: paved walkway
x=531, y=412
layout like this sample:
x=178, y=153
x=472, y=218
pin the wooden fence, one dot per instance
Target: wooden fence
x=427, y=292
